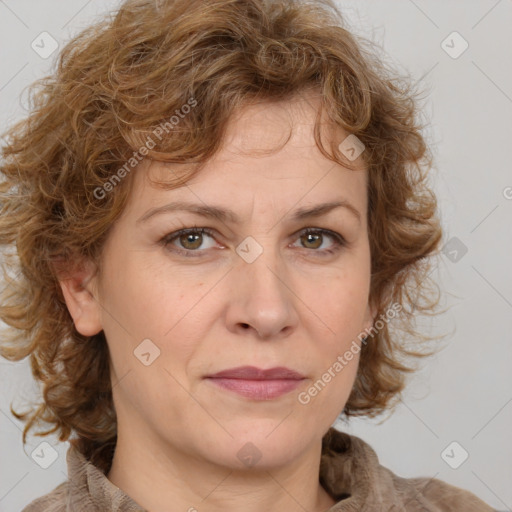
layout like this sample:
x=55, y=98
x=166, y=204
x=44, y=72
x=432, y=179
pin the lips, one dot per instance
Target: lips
x=253, y=373
x=256, y=383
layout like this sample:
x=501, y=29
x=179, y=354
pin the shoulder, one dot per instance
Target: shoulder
x=441, y=496
x=351, y=472
x=87, y=489
x=54, y=501
x=429, y=494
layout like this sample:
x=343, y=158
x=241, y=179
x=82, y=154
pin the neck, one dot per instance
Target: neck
x=154, y=478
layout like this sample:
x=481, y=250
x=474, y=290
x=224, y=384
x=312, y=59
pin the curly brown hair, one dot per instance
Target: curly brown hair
x=120, y=79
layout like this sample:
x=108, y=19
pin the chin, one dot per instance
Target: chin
x=263, y=444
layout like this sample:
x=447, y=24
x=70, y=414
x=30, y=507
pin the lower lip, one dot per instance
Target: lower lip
x=257, y=389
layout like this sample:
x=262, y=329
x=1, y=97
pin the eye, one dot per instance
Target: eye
x=314, y=238
x=190, y=241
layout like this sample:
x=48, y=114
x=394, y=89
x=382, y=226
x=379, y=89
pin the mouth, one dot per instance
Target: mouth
x=256, y=383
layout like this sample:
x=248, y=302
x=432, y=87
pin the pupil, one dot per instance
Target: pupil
x=313, y=238
x=193, y=239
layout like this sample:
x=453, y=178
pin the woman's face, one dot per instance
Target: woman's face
x=254, y=290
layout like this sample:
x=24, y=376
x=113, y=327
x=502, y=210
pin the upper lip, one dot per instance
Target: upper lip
x=253, y=373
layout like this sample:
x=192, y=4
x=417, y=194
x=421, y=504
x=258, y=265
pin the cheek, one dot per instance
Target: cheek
x=145, y=295
x=342, y=302
x=324, y=399
x=175, y=311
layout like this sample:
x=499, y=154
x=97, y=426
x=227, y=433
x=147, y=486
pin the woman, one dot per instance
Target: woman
x=219, y=210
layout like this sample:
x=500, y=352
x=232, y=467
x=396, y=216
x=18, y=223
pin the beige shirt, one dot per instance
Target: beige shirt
x=349, y=471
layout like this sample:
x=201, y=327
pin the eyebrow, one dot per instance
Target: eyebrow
x=225, y=215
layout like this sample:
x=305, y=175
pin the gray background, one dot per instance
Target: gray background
x=464, y=393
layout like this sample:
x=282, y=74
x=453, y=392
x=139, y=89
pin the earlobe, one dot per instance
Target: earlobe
x=79, y=290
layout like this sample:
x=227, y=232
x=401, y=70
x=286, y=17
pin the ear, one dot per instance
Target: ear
x=79, y=288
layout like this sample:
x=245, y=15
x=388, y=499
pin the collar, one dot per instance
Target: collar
x=90, y=489
x=351, y=473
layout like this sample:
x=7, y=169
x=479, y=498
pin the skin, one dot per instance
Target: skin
x=178, y=435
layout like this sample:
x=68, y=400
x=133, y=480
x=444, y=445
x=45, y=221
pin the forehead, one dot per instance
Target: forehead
x=268, y=153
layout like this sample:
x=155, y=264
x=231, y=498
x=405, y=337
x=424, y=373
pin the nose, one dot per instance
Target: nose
x=262, y=301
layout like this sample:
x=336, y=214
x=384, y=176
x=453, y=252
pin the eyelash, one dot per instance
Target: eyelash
x=339, y=240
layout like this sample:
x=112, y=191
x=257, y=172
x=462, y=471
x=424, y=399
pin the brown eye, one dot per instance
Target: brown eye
x=312, y=240
x=190, y=241
x=193, y=241
x=315, y=238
